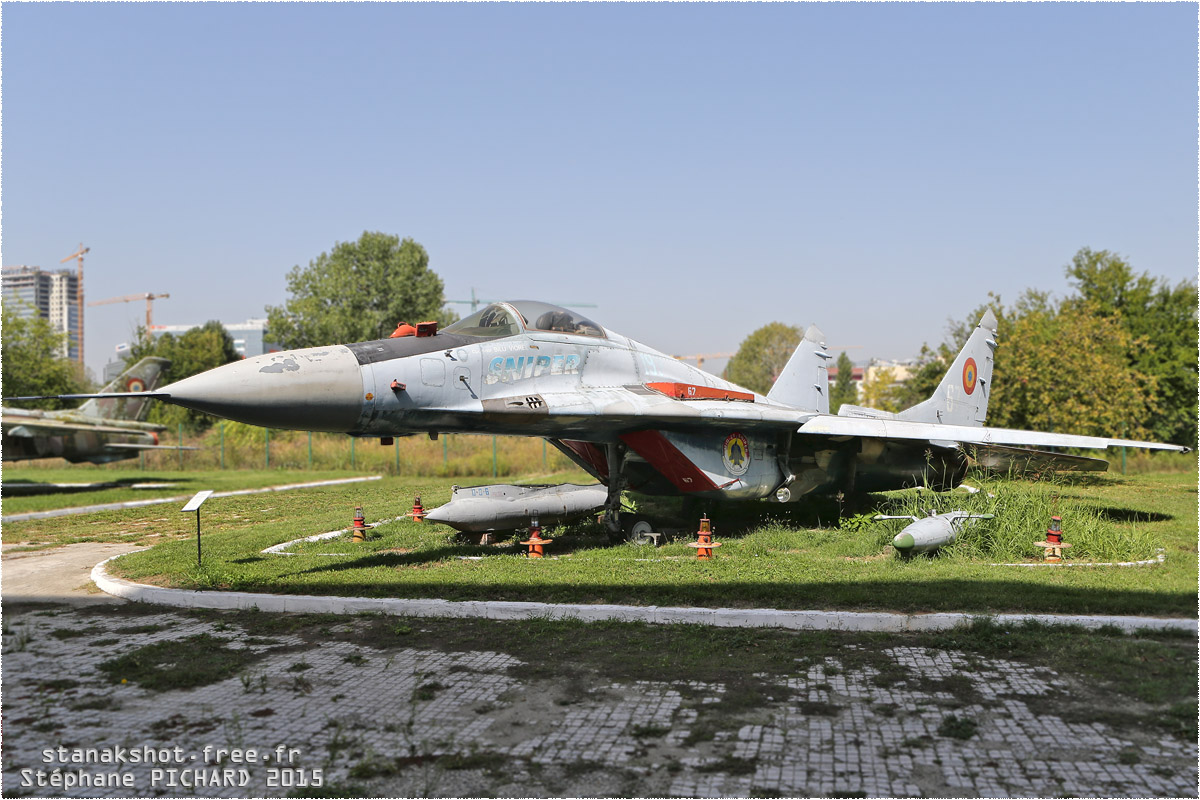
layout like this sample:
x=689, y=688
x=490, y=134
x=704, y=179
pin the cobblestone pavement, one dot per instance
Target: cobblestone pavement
x=417, y=722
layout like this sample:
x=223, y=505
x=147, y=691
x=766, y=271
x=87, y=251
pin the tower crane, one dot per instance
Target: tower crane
x=78, y=254
x=129, y=298
x=699, y=357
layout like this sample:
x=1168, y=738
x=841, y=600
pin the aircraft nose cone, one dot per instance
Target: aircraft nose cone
x=439, y=514
x=904, y=542
x=313, y=389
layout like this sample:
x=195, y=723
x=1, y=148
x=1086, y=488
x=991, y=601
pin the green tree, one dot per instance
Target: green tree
x=1066, y=367
x=1161, y=319
x=31, y=364
x=881, y=390
x=843, y=387
x=192, y=352
x=1069, y=369
x=358, y=291
x=762, y=356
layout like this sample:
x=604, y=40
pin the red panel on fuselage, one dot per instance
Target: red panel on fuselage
x=669, y=461
x=690, y=391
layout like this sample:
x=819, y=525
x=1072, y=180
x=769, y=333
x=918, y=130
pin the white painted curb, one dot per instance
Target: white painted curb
x=66, y=512
x=718, y=617
x=281, y=549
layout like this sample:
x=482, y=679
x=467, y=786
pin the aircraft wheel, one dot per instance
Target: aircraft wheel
x=641, y=531
x=640, y=528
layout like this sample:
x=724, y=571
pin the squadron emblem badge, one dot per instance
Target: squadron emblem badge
x=736, y=454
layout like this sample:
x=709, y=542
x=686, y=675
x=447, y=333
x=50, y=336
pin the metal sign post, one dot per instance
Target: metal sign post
x=194, y=505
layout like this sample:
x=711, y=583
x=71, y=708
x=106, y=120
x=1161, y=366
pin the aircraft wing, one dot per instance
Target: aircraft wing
x=38, y=426
x=637, y=407
x=873, y=428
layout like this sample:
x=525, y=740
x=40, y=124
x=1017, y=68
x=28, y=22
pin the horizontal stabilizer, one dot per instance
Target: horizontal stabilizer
x=828, y=425
x=1000, y=458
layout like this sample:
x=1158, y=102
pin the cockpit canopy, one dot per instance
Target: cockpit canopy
x=508, y=319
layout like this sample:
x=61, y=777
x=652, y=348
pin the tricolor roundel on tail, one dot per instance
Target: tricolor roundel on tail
x=970, y=375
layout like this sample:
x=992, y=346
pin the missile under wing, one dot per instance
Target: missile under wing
x=502, y=507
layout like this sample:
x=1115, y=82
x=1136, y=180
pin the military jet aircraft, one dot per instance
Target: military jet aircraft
x=631, y=416
x=108, y=428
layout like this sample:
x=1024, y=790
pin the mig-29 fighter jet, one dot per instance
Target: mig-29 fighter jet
x=629, y=415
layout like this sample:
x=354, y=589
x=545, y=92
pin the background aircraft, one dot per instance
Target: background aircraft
x=629, y=415
x=101, y=430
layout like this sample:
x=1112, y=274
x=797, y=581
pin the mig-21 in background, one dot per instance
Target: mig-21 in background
x=632, y=417
x=106, y=428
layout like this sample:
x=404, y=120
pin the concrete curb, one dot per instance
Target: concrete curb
x=66, y=512
x=281, y=549
x=503, y=610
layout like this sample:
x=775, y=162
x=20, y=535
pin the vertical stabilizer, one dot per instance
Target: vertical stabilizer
x=962, y=396
x=143, y=376
x=804, y=382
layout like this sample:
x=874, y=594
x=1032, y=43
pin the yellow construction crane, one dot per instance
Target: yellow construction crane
x=78, y=254
x=699, y=357
x=129, y=298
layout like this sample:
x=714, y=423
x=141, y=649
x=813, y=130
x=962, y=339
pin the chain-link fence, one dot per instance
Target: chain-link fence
x=235, y=446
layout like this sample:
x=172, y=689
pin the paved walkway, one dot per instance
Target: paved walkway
x=410, y=721
x=455, y=721
x=57, y=574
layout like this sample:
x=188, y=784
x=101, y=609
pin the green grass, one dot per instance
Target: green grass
x=178, y=663
x=181, y=483
x=772, y=555
x=1022, y=507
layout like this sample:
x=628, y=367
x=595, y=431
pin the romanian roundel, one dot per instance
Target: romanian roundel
x=736, y=454
x=135, y=385
x=970, y=375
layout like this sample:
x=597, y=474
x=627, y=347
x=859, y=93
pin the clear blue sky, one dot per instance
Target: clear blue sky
x=696, y=170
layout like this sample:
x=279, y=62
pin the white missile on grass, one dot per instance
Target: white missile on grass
x=931, y=532
x=503, y=506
